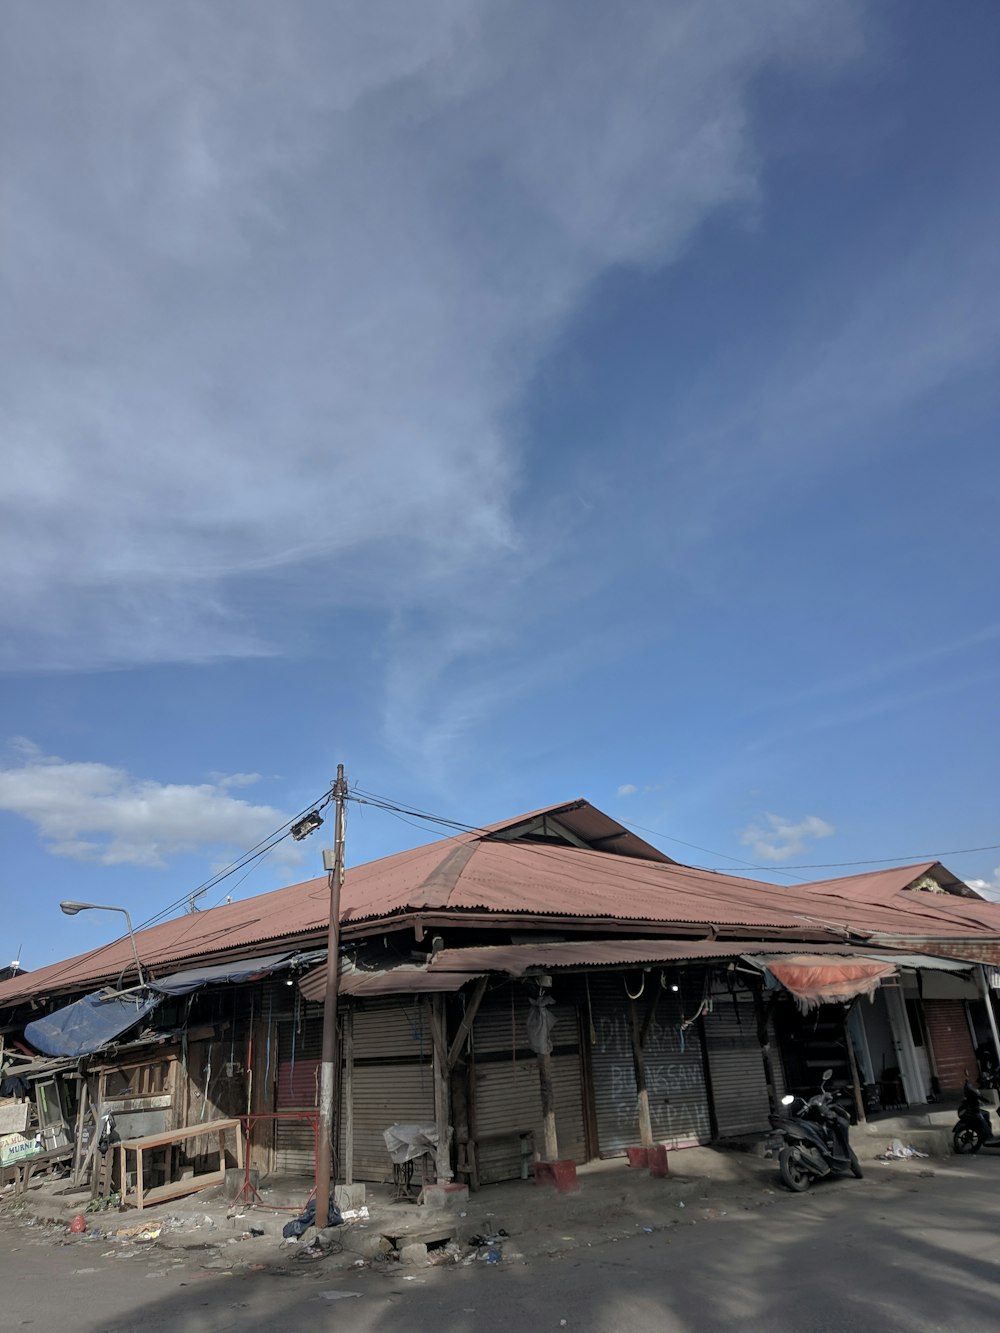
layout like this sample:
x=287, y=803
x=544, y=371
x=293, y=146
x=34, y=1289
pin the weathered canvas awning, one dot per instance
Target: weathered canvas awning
x=240, y=969
x=89, y=1024
x=815, y=979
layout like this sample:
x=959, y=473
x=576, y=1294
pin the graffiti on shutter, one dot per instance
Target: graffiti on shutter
x=675, y=1081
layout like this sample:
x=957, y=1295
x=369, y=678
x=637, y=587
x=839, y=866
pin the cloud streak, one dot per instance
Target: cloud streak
x=277, y=274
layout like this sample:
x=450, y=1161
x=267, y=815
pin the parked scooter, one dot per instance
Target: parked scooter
x=974, y=1129
x=815, y=1137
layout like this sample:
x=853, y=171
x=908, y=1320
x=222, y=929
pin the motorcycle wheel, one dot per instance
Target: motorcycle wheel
x=793, y=1174
x=965, y=1139
x=856, y=1171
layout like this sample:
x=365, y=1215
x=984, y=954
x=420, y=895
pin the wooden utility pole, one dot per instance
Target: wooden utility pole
x=328, y=1062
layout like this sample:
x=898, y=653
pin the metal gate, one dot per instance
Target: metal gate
x=300, y=1044
x=675, y=1081
x=507, y=1096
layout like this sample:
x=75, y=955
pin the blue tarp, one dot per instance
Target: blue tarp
x=242, y=969
x=89, y=1024
x=96, y=1020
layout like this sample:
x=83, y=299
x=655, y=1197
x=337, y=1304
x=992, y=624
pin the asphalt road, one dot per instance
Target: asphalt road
x=914, y=1253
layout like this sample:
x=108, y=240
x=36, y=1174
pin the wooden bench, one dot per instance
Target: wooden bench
x=175, y=1189
x=27, y=1166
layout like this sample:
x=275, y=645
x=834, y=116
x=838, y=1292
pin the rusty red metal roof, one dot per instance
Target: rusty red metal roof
x=477, y=875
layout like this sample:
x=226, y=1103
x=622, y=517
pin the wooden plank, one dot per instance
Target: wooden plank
x=465, y=1027
x=81, y=1116
x=164, y=1138
x=178, y=1188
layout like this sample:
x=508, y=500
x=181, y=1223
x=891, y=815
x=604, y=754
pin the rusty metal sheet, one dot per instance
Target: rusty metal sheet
x=392, y=981
x=517, y=960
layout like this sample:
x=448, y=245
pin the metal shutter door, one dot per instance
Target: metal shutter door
x=393, y=1081
x=507, y=1096
x=739, y=1089
x=391, y=1084
x=678, y=1103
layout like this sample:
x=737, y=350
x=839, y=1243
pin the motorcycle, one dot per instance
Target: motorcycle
x=974, y=1129
x=815, y=1139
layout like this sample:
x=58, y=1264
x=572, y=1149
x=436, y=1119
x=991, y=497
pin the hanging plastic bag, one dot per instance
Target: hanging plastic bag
x=539, y=1024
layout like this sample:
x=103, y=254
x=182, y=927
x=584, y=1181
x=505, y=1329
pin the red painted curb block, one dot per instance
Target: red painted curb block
x=638, y=1157
x=658, y=1167
x=560, y=1174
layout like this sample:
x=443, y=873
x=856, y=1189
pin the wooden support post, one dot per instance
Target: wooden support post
x=763, y=1012
x=548, y=1108
x=460, y=1117
x=439, y=1039
x=470, y=1111
x=81, y=1116
x=349, y=1095
x=639, y=1063
x=859, y=1101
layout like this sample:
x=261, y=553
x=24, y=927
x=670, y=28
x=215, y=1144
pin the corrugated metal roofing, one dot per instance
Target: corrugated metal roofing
x=477, y=873
x=518, y=959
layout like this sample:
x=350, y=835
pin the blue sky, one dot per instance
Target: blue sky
x=509, y=402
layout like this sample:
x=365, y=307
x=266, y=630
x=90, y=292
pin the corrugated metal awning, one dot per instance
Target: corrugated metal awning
x=404, y=980
x=517, y=960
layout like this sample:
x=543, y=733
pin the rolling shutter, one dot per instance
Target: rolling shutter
x=675, y=1081
x=391, y=1083
x=507, y=1098
x=736, y=1065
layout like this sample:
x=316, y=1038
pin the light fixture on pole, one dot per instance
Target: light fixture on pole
x=71, y=908
x=306, y=825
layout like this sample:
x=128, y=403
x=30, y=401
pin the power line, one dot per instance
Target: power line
x=258, y=851
x=747, y=865
x=908, y=858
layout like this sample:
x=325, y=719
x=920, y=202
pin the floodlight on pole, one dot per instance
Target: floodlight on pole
x=70, y=908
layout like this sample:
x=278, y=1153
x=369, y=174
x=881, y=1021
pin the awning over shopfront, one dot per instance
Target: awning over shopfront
x=402, y=980
x=240, y=969
x=814, y=979
x=89, y=1024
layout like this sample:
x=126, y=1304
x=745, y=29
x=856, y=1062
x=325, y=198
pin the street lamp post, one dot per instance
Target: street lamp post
x=71, y=908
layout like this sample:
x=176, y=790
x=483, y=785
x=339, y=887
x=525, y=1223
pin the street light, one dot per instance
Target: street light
x=71, y=908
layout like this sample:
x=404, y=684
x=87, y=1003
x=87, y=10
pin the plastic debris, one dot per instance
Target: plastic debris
x=897, y=1151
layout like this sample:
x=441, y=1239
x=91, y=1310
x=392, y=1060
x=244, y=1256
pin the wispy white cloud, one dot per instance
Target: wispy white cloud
x=275, y=275
x=989, y=888
x=778, y=838
x=99, y=813
x=228, y=780
x=627, y=789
